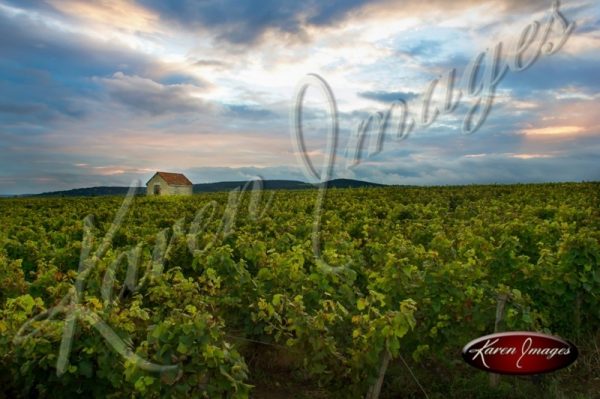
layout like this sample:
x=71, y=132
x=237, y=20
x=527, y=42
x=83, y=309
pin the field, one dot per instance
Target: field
x=226, y=289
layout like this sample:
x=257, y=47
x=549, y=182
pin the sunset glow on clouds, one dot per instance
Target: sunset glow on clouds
x=556, y=130
x=102, y=93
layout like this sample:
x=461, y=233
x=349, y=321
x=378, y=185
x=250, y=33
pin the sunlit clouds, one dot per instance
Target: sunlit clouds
x=552, y=130
x=106, y=92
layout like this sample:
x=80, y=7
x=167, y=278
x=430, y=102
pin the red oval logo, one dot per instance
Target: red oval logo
x=519, y=352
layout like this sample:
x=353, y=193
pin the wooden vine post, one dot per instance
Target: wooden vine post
x=502, y=298
x=375, y=389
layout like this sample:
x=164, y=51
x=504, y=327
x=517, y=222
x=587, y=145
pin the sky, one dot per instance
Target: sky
x=96, y=93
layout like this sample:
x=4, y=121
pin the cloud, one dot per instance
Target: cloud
x=250, y=112
x=46, y=72
x=388, y=96
x=551, y=130
x=211, y=63
x=531, y=156
x=124, y=15
x=243, y=22
x=217, y=174
x=22, y=109
x=502, y=168
x=556, y=71
x=146, y=95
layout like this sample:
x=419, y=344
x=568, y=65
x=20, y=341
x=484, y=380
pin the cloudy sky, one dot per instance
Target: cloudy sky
x=105, y=92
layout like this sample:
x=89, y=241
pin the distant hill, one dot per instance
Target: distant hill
x=350, y=183
x=91, y=192
x=211, y=187
x=281, y=185
x=267, y=185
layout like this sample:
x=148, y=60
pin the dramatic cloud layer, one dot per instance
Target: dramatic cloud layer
x=107, y=92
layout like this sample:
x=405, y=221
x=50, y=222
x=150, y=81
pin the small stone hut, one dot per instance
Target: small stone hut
x=165, y=183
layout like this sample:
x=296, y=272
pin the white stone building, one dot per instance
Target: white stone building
x=164, y=183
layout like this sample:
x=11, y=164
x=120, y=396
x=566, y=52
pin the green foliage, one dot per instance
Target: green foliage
x=426, y=266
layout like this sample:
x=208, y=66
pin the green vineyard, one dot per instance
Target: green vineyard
x=222, y=295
